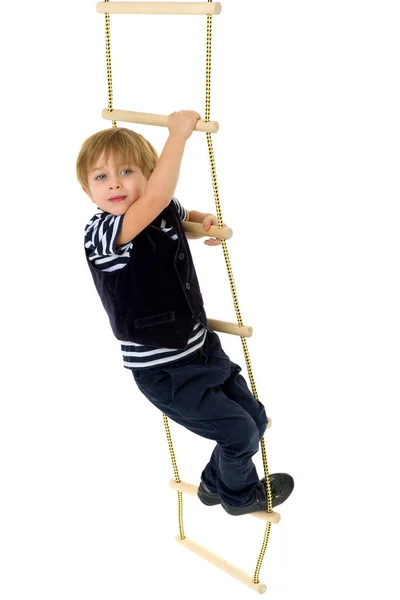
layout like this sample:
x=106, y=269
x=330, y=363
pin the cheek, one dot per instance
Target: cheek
x=96, y=188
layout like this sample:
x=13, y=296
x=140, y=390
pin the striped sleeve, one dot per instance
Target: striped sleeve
x=101, y=234
x=183, y=212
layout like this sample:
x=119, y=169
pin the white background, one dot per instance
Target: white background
x=307, y=96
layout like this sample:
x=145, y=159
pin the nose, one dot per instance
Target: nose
x=114, y=181
x=114, y=184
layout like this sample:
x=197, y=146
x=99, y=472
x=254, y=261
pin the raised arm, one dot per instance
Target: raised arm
x=162, y=182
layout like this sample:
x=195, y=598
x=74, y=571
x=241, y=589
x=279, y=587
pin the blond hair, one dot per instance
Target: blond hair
x=121, y=142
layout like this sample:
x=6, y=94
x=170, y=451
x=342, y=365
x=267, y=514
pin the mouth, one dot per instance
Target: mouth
x=117, y=198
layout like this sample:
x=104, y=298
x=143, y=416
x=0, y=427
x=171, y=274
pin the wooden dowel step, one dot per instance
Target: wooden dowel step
x=152, y=119
x=189, y=488
x=214, y=231
x=233, y=328
x=160, y=8
x=221, y=563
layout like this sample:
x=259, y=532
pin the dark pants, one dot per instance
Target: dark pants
x=206, y=394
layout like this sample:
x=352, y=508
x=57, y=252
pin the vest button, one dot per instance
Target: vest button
x=188, y=286
x=181, y=256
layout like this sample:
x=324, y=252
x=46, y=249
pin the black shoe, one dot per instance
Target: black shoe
x=282, y=486
x=208, y=498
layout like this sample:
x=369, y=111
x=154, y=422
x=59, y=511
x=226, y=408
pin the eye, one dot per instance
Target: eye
x=99, y=177
x=126, y=171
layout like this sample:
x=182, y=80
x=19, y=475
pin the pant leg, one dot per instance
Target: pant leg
x=194, y=393
x=236, y=389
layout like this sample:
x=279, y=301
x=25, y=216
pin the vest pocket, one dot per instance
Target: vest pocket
x=165, y=317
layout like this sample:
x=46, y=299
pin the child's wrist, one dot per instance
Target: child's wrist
x=178, y=137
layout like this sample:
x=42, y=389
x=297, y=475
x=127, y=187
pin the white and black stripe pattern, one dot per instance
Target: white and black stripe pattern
x=136, y=356
x=101, y=234
x=103, y=230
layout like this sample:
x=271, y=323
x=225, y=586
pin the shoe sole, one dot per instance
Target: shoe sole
x=240, y=510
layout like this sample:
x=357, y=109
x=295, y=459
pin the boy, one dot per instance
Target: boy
x=141, y=265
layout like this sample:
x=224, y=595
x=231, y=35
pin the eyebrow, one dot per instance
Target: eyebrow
x=102, y=167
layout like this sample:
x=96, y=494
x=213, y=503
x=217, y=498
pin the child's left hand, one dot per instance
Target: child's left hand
x=207, y=222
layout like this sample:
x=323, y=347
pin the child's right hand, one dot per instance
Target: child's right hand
x=183, y=122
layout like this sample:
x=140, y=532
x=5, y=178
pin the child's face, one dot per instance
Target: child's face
x=114, y=185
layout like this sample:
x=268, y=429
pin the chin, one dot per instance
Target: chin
x=120, y=210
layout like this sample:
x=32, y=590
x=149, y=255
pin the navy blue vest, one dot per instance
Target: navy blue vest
x=155, y=298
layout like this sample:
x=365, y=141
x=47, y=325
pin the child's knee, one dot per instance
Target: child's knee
x=246, y=439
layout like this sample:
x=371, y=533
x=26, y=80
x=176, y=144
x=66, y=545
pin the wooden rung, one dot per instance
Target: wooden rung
x=221, y=563
x=152, y=119
x=233, y=328
x=214, y=231
x=189, y=488
x=160, y=8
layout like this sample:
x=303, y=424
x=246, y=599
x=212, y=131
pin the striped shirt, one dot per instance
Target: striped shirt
x=101, y=234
